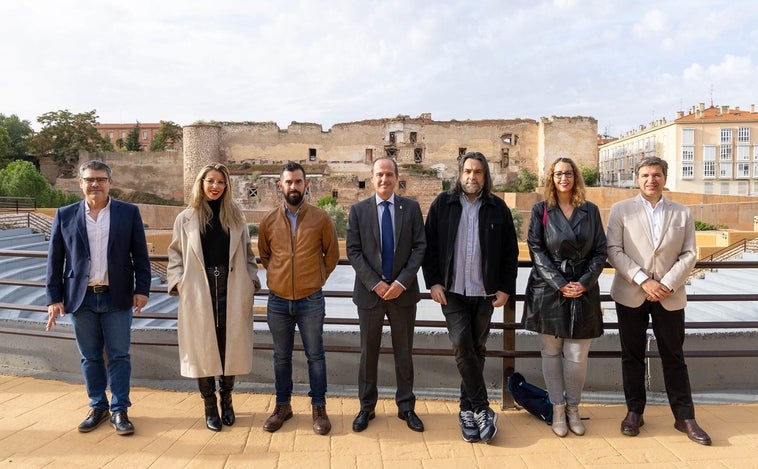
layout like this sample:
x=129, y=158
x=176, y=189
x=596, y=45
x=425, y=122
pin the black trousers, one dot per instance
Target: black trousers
x=217, y=277
x=668, y=328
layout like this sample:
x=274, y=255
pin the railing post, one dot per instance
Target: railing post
x=509, y=344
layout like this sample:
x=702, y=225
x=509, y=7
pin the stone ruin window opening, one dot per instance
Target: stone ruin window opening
x=418, y=155
x=369, y=155
x=361, y=184
x=413, y=138
x=505, y=159
x=252, y=193
x=509, y=139
x=391, y=152
x=401, y=184
x=461, y=152
x=311, y=154
x=393, y=138
x=335, y=194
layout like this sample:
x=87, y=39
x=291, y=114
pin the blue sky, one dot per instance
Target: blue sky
x=623, y=63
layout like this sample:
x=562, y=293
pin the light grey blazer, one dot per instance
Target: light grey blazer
x=630, y=248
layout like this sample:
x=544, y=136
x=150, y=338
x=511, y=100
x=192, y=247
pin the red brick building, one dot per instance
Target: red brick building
x=113, y=132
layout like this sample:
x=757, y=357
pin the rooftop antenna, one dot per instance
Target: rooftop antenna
x=711, y=94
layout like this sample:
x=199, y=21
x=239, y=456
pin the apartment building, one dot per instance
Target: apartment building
x=710, y=150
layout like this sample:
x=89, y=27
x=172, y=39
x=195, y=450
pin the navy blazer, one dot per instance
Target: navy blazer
x=68, y=258
x=364, y=250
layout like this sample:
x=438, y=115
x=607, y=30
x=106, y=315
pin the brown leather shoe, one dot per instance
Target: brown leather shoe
x=321, y=423
x=693, y=431
x=631, y=424
x=275, y=421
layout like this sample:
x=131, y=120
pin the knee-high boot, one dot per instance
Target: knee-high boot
x=208, y=391
x=226, y=385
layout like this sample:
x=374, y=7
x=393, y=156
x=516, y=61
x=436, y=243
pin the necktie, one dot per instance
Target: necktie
x=388, y=242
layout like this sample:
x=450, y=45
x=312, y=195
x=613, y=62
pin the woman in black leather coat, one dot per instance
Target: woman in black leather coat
x=568, y=249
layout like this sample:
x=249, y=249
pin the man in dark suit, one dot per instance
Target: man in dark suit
x=385, y=245
x=651, y=244
x=98, y=269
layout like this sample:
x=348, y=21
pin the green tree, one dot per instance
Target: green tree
x=167, y=136
x=518, y=220
x=5, y=147
x=590, y=175
x=526, y=181
x=19, y=131
x=21, y=179
x=63, y=134
x=336, y=212
x=132, y=139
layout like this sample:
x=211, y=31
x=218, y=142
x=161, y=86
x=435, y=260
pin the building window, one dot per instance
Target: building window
x=369, y=155
x=725, y=188
x=743, y=135
x=743, y=152
x=391, y=152
x=144, y=135
x=688, y=171
x=123, y=134
x=461, y=152
x=688, y=153
x=709, y=169
x=742, y=188
x=401, y=184
x=743, y=170
x=252, y=193
x=708, y=188
x=755, y=170
x=393, y=139
x=361, y=184
x=335, y=194
x=311, y=154
x=688, y=136
x=418, y=155
x=725, y=170
x=414, y=137
x=509, y=139
x=726, y=136
x=110, y=135
x=505, y=159
x=725, y=153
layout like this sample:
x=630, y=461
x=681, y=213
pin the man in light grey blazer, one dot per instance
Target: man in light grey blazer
x=651, y=244
x=385, y=246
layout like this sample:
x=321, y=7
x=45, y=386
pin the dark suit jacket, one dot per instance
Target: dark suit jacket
x=364, y=250
x=68, y=260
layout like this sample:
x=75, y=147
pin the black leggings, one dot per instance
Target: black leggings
x=217, y=277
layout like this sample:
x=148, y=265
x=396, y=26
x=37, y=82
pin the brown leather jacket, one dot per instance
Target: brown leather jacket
x=297, y=266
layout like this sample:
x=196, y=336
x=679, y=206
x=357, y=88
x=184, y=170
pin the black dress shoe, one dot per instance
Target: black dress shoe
x=93, y=420
x=121, y=423
x=631, y=424
x=361, y=420
x=410, y=417
x=693, y=431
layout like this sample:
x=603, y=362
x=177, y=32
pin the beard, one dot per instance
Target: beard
x=472, y=188
x=294, y=198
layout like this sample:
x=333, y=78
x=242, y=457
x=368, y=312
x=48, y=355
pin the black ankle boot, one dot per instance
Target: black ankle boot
x=227, y=411
x=208, y=391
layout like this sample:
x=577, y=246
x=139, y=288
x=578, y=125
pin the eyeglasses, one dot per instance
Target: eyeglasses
x=213, y=182
x=97, y=180
x=560, y=174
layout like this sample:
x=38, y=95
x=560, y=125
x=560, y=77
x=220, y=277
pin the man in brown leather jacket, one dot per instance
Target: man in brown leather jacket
x=298, y=246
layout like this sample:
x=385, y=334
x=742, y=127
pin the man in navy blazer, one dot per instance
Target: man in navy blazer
x=393, y=293
x=98, y=269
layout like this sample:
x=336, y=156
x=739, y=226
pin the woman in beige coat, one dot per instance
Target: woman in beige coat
x=211, y=266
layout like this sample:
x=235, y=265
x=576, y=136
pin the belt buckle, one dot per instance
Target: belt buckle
x=99, y=288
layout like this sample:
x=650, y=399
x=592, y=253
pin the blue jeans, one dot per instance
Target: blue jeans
x=468, y=325
x=97, y=325
x=308, y=314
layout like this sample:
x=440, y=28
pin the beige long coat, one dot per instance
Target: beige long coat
x=198, y=348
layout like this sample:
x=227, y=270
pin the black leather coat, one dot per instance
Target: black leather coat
x=563, y=251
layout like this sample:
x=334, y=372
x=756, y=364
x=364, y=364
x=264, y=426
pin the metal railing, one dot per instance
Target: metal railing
x=17, y=204
x=507, y=353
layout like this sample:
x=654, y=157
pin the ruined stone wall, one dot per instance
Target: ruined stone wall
x=572, y=137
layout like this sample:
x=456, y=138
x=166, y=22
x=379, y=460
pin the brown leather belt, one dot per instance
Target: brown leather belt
x=97, y=288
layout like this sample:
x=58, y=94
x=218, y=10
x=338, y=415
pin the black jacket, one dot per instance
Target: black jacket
x=497, y=238
x=563, y=251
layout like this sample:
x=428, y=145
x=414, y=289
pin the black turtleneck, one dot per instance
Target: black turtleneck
x=215, y=240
